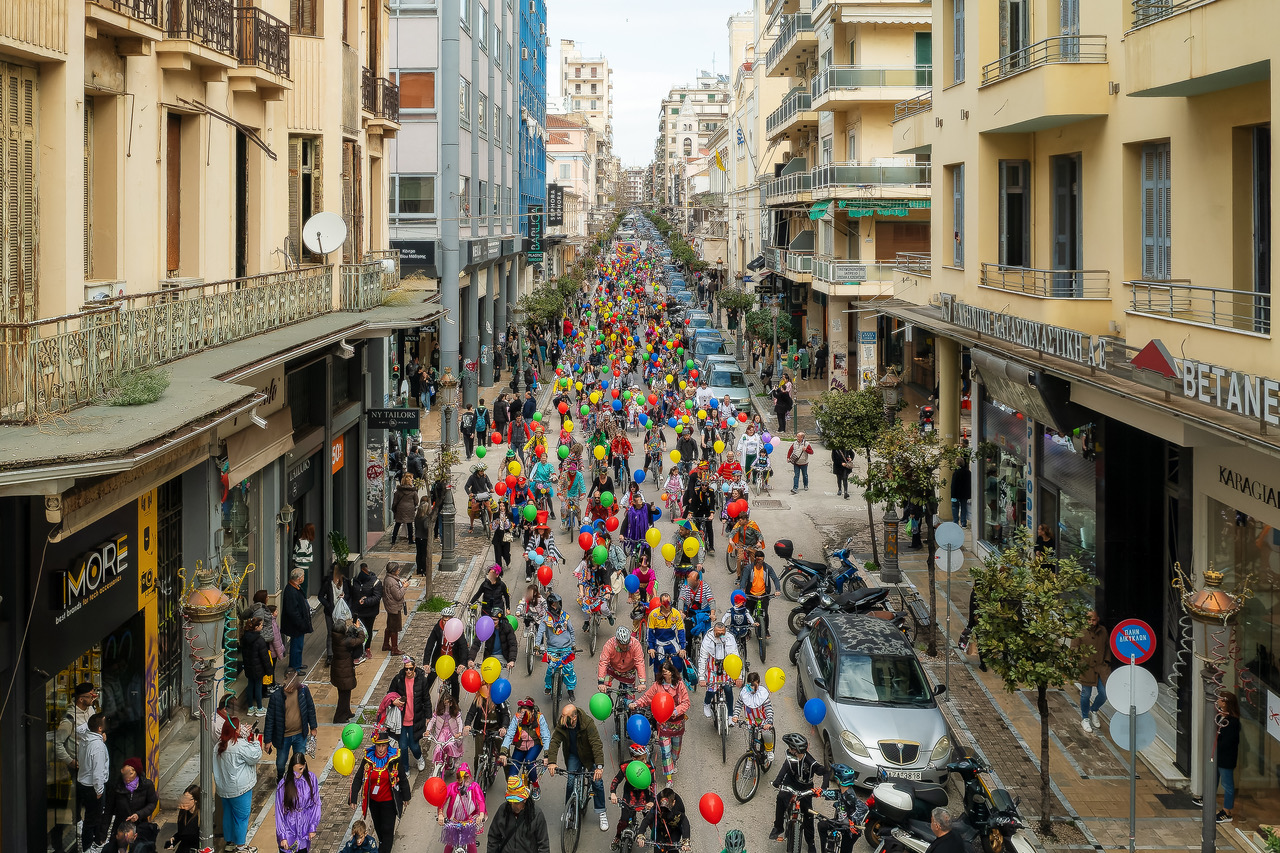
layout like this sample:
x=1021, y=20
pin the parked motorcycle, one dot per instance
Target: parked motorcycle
x=899, y=809
x=926, y=419
x=850, y=601
x=798, y=573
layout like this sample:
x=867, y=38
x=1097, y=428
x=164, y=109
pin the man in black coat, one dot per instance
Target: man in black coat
x=366, y=599
x=502, y=643
x=136, y=806
x=437, y=646
x=517, y=825
x=276, y=734
x=295, y=617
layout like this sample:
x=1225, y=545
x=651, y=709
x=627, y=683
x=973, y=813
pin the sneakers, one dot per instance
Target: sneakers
x=1096, y=719
x=1222, y=817
x=359, y=660
x=546, y=691
x=768, y=759
x=1197, y=801
x=794, y=492
x=604, y=822
x=706, y=711
x=1084, y=724
x=572, y=698
x=422, y=764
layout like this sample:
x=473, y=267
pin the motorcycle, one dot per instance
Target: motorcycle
x=926, y=419
x=850, y=601
x=899, y=809
x=798, y=573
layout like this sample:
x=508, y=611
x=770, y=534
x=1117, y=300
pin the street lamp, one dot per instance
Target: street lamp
x=204, y=609
x=890, y=572
x=1212, y=611
x=448, y=395
x=518, y=317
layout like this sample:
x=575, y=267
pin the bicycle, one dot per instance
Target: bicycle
x=720, y=715
x=530, y=631
x=760, y=632
x=468, y=619
x=466, y=831
x=572, y=515
x=575, y=804
x=555, y=660
x=761, y=474
x=487, y=764
x=793, y=829
x=751, y=765
x=446, y=767
x=593, y=626
x=627, y=840
x=622, y=696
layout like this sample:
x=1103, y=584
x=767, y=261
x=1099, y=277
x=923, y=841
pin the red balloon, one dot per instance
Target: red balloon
x=724, y=424
x=693, y=374
x=511, y=481
x=434, y=789
x=742, y=416
x=611, y=523
x=500, y=488
x=732, y=509
x=497, y=437
x=544, y=575
x=563, y=408
x=616, y=393
x=653, y=399
x=712, y=808
x=471, y=680
x=540, y=552
x=585, y=541
x=663, y=706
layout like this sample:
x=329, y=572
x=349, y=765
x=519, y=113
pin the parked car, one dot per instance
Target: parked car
x=728, y=379
x=705, y=360
x=881, y=710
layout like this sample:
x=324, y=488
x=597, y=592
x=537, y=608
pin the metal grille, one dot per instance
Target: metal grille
x=368, y=91
x=142, y=10
x=262, y=40
x=902, y=753
x=208, y=22
x=169, y=552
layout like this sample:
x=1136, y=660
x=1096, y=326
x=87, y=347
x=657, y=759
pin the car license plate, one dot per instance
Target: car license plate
x=913, y=775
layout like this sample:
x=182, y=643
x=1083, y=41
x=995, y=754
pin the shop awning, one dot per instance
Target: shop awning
x=819, y=209
x=253, y=448
x=1045, y=398
x=865, y=207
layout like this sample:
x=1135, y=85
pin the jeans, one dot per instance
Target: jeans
x=566, y=669
x=408, y=531
x=235, y=817
x=409, y=743
x=286, y=748
x=424, y=399
x=799, y=472
x=1227, y=776
x=255, y=692
x=1085, y=691
x=469, y=441
x=572, y=764
x=295, y=651
x=727, y=690
x=960, y=511
x=522, y=755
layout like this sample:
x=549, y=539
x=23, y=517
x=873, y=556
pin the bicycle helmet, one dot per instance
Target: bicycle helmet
x=845, y=775
x=639, y=750
x=623, y=635
x=496, y=613
x=554, y=604
x=511, y=454
x=734, y=842
x=447, y=611
x=796, y=741
x=476, y=468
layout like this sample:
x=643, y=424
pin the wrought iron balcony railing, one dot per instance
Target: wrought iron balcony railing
x=790, y=27
x=368, y=91
x=1222, y=308
x=147, y=11
x=210, y=23
x=871, y=174
x=866, y=76
x=795, y=102
x=262, y=40
x=1051, y=51
x=1048, y=284
x=388, y=99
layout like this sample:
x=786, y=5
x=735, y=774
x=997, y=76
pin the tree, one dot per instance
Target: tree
x=542, y=304
x=852, y=421
x=760, y=325
x=1029, y=607
x=906, y=466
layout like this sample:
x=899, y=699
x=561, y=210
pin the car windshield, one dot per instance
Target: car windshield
x=728, y=379
x=882, y=679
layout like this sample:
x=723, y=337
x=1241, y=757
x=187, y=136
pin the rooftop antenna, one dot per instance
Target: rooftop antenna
x=324, y=233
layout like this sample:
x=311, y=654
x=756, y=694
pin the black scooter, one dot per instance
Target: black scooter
x=818, y=595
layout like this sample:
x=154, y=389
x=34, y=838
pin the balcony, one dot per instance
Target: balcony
x=388, y=100
x=912, y=106
x=913, y=126
x=796, y=42
x=794, y=117
x=794, y=187
x=368, y=91
x=877, y=179
x=1182, y=48
x=1221, y=308
x=799, y=265
x=262, y=49
x=199, y=33
x=843, y=277
x=843, y=86
x=134, y=24
x=1055, y=82
x=1058, y=50
x=1047, y=284
x=915, y=263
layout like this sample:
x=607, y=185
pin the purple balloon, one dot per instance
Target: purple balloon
x=484, y=628
x=768, y=439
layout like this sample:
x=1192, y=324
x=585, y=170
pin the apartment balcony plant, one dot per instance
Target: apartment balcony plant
x=839, y=87
x=1054, y=82
x=134, y=24
x=795, y=43
x=198, y=33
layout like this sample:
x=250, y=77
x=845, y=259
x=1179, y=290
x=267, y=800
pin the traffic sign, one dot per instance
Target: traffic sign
x=949, y=535
x=1146, y=730
x=1132, y=685
x=949, y=559
x=1133, y=641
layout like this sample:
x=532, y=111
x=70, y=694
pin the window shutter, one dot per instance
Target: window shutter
x=957, y=31
x=296, y=213
x=1156, y=197
x=348, y=201
x=957, y=213
x=88, y=188
x=18, y=227
x=1004, y=212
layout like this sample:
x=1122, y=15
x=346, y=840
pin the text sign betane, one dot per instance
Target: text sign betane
x=1134, y=640
x=393, y=418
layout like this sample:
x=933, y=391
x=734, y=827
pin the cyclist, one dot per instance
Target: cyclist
x=532, y=607
x=799, y=772
x=527, y=736
x=620, y=449
x=738, y=619
x=757, y=710
x=716, y=644
x=700, y=505
x=492, y=591
x=601, y=484
x=749, y=447
x=477, y=484
x=761, y=470
x=544, y=476
x=632, y=799
x=851, y=811
x=666, y=634
x=761, y=585
x=592, y=581
x=655, y=443
x=621, y=659
x=670, y=735
x=464, y=808
x=575, y=487
x=730, y=471
x=747, y=540
x=485, y=719
x=502, y=643
x=583, y=752
x=669, y=821
x=555, y=635
x=438, y=647
x=734, y=842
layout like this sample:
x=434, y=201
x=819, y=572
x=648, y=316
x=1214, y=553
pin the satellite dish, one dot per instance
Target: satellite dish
x=324, y=232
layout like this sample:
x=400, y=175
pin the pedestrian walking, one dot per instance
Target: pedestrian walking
x=295, y=618
x=257, y=663
x=270, y=627
x=410, y=686
x=297, y=807
x=781, y=404
x=380, y=786
x=235, y=772
x=798, y=455
x=403, y=506
x=467, y=427
x=393, y=592
x=366, y=591
x=186, y=838
x=1096, y=642
x=482, y=423
x=348, y=645
x=961, y=492
x=291, y=721
x=1227, y=750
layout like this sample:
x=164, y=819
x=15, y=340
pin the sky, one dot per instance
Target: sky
x=651, y=45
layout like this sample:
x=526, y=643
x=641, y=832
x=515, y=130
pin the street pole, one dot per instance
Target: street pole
x=890, y=571
x=208, y=799
x=1133, y=757
x=946, y=654
x=1209, y=781
x=448, y=513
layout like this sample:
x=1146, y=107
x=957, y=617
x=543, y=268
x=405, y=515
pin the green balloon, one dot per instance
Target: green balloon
x=537, y=416
x=515, y=623
x=626, y=395
x=606, y=499
x=599, y=555
x=639, y=775
x=688, y=365
x=601, y=705
x=352, y=735
x=562, y=452
x=530, y=512
x=679, y=429
x=585, y=410
x=688, y=404
x=480, y=451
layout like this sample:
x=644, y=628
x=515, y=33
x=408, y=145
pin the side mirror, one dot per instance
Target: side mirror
x=820, y=683
x=939, y=689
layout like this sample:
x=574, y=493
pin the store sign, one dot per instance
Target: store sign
x=301, y=478
x=393, y=418
x=1254, y=397
x=537, y=232
x=271, y=384
x=337, y=455
x=555, y=205
x=1041, y=337
x=92, y=574
x=1247, y=485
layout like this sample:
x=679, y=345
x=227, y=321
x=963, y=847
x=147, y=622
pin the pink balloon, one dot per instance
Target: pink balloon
x=453, y=629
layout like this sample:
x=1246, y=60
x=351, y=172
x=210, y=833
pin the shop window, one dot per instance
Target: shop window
x=1068, y=499
x=1002, y=461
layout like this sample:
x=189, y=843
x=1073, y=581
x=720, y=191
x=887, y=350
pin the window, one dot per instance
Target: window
x=482, y=200
x=577, y=105
x=464, y=102
x=413, y=196
x=577, y=88
x=497, y=124
x=688, y=146
x=592, y=104
x=417, y=89
x=482, y=26
x=1260, y=202
x=826, y=60
x=497, y=45
x=1015, y=213
x=675, y=111
x=957, y=213
x=464, y=194
x=825, y=148
x=711, y=99
x=304, y=17
x=464, y=9
x=593, y=71
x=564, y=171
x=1157, y=191
x=305, y=192
x=482, y=115
x=577, y=72
x=1068, y=248
x=957, y=40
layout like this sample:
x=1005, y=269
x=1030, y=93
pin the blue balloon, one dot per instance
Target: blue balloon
x=657, y=513
x=815, y=711
x=500, y=690
x=638, y=476
x=604, y=384
x=713, y=403
x=617, y=405
x=671, y=422
x=637, y=728
x=538, y=559
x=587, y=528
x=633, y=583
x=643, y=419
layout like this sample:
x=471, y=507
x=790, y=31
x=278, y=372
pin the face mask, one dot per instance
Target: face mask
x=751, y=688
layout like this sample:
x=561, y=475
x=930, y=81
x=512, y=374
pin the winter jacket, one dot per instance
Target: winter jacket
x=614, y=658
x=437, y=646
x=119, y=802
x=393, y=595
x=295, y=616
x=493, y=723
x=366, y=596
x=589, y=749
x=421, y=698
x=235, y=770
x=673, y=823
x=525, y=832
x=493, y=593
x=404, y=504
x=273, y=732
x=961, y=484
x=503, y=638
x=256, y=655
x=94, y=763
x=342, y=670
x=326, y=596
x=1098, y=657
x=270, y=627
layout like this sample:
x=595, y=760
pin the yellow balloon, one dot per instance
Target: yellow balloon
x=675, y=457
x=668, y=552
x=595, y=397
x=683, y=385
x=344, y=761
x=691, y=547
x=684, y=419
x=490, y=669
x=732, y=666
x=514, y=467
x=774, y=678
x=628, y=359
x=568, y=426
x=653, y=537
x=446, y=665
x=718, y=447
x=599, y=451
x=702, y=415
x=649, y=347
x=670, y=379
x=577, y=386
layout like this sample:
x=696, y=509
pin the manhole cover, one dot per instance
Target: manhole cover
x=766, y=503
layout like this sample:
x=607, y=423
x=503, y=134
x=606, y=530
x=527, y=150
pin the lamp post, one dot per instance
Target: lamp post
x=204, y=609
x=518, y=316
x=448, y=395
x=1212, y=610
x=890, y=572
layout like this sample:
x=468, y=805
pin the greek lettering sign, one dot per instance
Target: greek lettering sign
x=1041, y=337
x=1254, y=397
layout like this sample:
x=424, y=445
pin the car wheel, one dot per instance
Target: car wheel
x=827, y=755
x=800, y=697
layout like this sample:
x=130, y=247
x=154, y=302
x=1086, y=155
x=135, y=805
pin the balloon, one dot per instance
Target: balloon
x=690, y=547
x=568, y=426
x=671, y=422
x=511, y=482
x=718, y=447
x=563, y=408
x=587, y=528
x=514, y=467
x=352, y=735
x=544, y=575
x=663, y=706
x=530, y=512
x=435, y=790
x=611, y=523
x=766, y=438
x=814, y=711
x=484, y=628
x=515, y=623
x=480, y=451
x=742, y=416
x=606, y=499
x=585, y=410
x=693, y=374
x=638, y=476
x=594, y=398
x=774, y=678
x=500, y=690
x=675, y=457
x=669, y=552
x=497, y=437
x=599, y=555
x=453, y=630
x=688, y=365
x=344, y=761
x=445, y=667
x=471, y=681
x=562, y=451
x=585, y=540
x=683, y=385
x=638, y=729
x=670, y=379
x=537, y=416
x=639, y=774
x=643, y=419
x=599, y=452
x=712, y=807
x=653, y=536
x=653, y=399
x=714, y=403
x=679, y=430
x=632, y=583
x=491, y=669
x=702, y=415
x=500, y=487
x=732, y=666
x=601, y=706
x=617, y=405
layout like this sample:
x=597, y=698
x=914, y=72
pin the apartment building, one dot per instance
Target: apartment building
x=631, y=187
x=161, y=161
x=573, y=170
x=533, y=120
x=586, y=89
x=457, y=173
x=688, y=117
x=1102, y=260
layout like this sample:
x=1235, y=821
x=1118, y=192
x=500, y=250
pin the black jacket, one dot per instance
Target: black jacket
x=493, y=724
x=501, y=415
x=421, y=698
x=518, y=833
x=256, y=656
x=502, y=633
x=530, y=406
x=673, y=827
x=368, y=586
x=803, y=777
x=118, y=802
x=840, y=458
x=326, y=594
x=962, y=484
x=273, y=732
x=295, y=618
x=1229, y=744
x=493, y=595
x=437, y=646
x=514, y=408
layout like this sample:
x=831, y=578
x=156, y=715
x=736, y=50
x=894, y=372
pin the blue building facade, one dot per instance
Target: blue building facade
x=533, y=107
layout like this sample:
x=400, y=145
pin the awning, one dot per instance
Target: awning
x=819, y=209
x=252, y=448
x=795, y=164
x=803, y=242
x=757, y=263
x=864, y=207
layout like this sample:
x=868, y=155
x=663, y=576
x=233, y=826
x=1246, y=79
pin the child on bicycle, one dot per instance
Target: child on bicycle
x=633, y=799
x=761, y=471
x=445, y=729
x=757, y=710
x=485, y=720
x=555, y=634
x=669, y=822
x=674, y=490
x=799, y=772
x=851, y=811
x=528, y=735
x=463, y=812
x=592, y=580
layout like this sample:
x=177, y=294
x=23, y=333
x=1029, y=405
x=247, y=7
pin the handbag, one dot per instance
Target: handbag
x=270, y=678
x=341, y=610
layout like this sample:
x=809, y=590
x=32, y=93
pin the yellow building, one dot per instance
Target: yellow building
x=1102, y=259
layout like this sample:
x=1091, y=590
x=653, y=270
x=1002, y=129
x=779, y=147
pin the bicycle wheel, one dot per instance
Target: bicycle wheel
x=746, y=778
x=571, y=825
x=760, y=640
x=528, y=655
x=620, y=726
x=730, y=558
x=555, y=695
x=594, y=634
x=722, y=723
x=793, y=583
x=626, y=845
x=757, y=486
x=793, y=835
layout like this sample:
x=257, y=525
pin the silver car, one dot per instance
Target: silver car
x=727, y=379
x=881, y=711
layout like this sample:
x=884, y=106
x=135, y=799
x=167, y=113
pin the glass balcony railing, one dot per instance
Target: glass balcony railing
x=845, y=77
x=1051, y=51
x=800, y=263
x=799, y=182
x=871, y=174
x=1048, y=284
x=790, y=27
x=844, y=271
x=1222, y=308
x=796, y=102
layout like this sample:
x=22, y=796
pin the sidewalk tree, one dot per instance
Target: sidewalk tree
x=1030, y=606
x=760, y=325
x=852, y=421
x=906, y=467
x=735, y=300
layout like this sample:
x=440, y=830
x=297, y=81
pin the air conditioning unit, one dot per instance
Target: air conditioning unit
x=176, y=283
x=100, y=291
